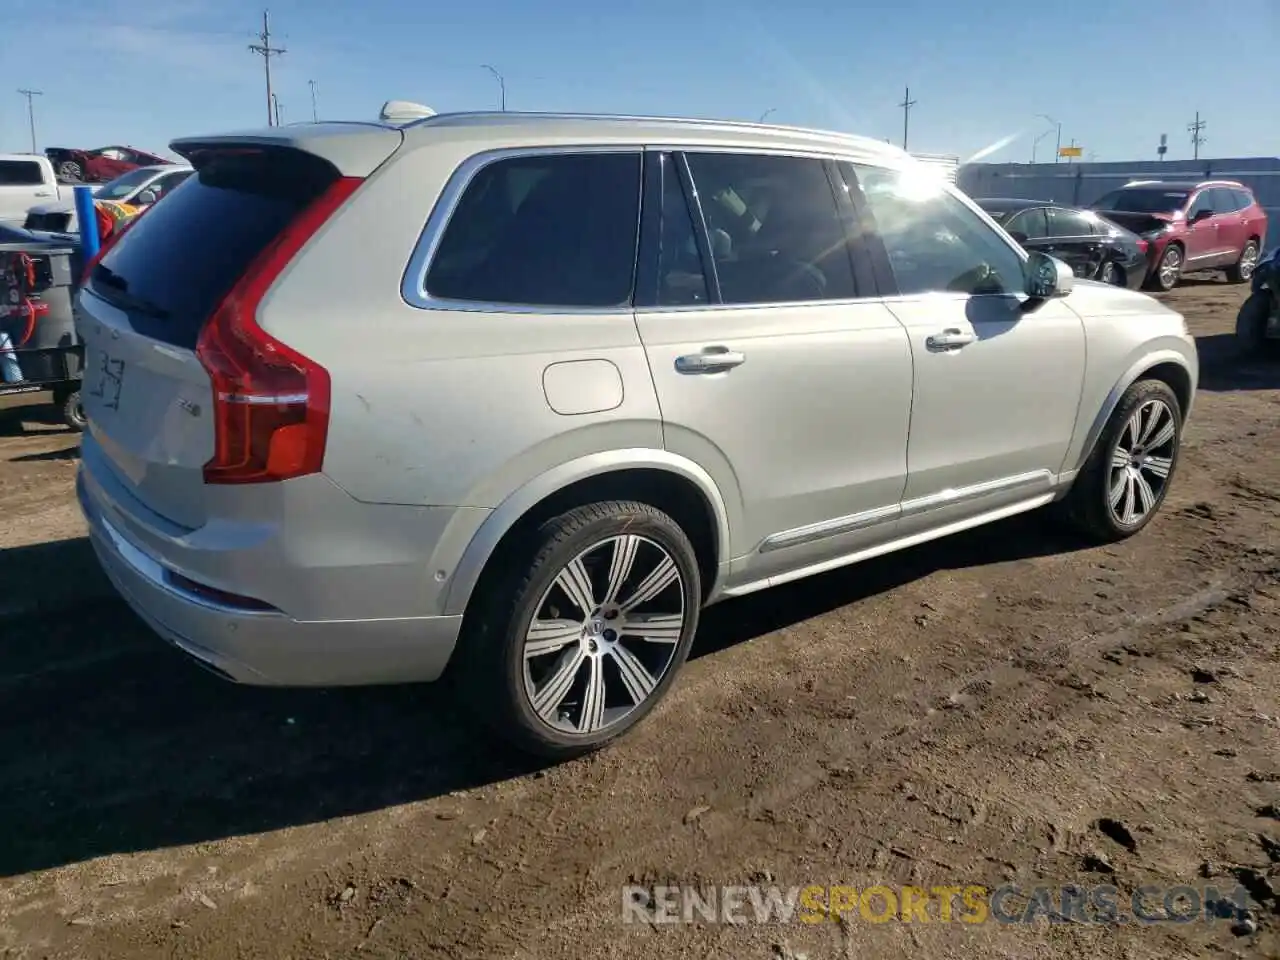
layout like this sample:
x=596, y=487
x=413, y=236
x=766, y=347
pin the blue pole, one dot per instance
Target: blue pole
x=88, y=218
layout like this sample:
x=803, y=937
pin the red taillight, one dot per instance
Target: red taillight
x=1142, y=245
x=270, y=403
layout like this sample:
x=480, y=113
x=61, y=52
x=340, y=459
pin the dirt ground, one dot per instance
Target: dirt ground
x=965, y=713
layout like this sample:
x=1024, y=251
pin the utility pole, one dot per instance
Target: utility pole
x=275, y=102
x=315, y=117
x=906, y=105
x=1197, y=138
x=31, y=112
x=502, y=85
x=267, y=51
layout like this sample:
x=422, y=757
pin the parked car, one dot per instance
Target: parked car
x=518, y=396
x=1096, y=249
x=136, y=189
x=1258, y=320
x=1208, y=224
x=25, y=179
x=100, y=165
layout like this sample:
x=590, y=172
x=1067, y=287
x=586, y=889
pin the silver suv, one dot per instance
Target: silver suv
x=519, y=395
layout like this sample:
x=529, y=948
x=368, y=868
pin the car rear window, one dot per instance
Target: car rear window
x=174, y=266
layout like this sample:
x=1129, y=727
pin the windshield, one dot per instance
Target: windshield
x=123, y=185
x=1143, y=201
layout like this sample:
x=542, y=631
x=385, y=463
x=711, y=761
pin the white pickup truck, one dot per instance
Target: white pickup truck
x=27, y=179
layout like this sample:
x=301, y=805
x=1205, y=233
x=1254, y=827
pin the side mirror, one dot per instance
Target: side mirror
x=1018, y=236
x=145, y=198
x=1047, y=278
x=1201, y=215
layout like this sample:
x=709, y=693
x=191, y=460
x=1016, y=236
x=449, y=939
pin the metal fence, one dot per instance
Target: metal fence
x=1079, y=184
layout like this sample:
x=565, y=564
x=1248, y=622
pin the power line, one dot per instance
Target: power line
x=906, y=105
x=267, y=51
x=1197, y=138
x=31, y=112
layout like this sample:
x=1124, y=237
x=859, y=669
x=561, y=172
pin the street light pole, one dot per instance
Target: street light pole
x=315, y=116
x=502, y=85
x=1057, y=151
x=765, y=115
x=1036, y=142
x=31, y=112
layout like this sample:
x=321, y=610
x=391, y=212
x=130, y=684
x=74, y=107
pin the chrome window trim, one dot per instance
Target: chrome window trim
x=413, y=286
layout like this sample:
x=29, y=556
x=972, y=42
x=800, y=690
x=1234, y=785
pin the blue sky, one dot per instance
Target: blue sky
x=1115, y=74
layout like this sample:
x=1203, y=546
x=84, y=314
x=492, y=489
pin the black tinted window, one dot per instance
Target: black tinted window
x=1069, y=223
x=20, y=173
x=935, y=242
x=1143, y=200
x=172, y=268
x=681, y=279
x=549, y=230
x=775, y=231
x=1029, y=223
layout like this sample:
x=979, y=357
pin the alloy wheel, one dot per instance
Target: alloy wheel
x=1170, y=266
x=1141, y=462
x=1107, y=273
x=604, y=634
x=1248, y=261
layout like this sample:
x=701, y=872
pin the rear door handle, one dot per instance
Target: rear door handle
x=950, y=339
x=710, y=360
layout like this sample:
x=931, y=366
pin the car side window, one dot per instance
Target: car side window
x=543, y=230
x=163, y=185
x=682, y=280
x=934, y=241
x=1203, y=202
x=20, y=173
x=1244, y=199
x=775, y=230
x=1069, y=223
x=1029, y=223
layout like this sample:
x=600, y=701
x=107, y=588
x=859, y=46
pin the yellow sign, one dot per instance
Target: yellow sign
x=1071, y=151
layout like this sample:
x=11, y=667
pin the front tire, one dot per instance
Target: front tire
x=1169, y=269
x=1111, y=274
x=71, y=171
x=584, y=632
x=1242, y=270
x=1126, y=478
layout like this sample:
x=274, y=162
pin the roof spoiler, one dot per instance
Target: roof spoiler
x=404, y=111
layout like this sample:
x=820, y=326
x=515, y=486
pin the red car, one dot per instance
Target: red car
x=1205, y=225
x=100, y=165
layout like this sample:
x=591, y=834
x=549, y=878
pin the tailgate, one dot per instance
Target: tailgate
x=147, y=396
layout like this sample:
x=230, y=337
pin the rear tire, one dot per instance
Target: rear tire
x=1168, y=269
x=71, y=171
x=555, y=679
x=1242, y=270
x=1251, y=327
x=1124, y=482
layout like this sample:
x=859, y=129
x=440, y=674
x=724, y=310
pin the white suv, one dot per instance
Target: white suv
x=519, y=395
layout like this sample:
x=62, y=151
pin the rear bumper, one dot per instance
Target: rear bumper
x=266, y=648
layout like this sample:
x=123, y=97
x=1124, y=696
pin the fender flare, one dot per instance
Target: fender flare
x=474, y=558
x=1130, y=377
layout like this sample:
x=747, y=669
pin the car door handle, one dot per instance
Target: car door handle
x=710, y=360
x=43, y=193
x=950, y=339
